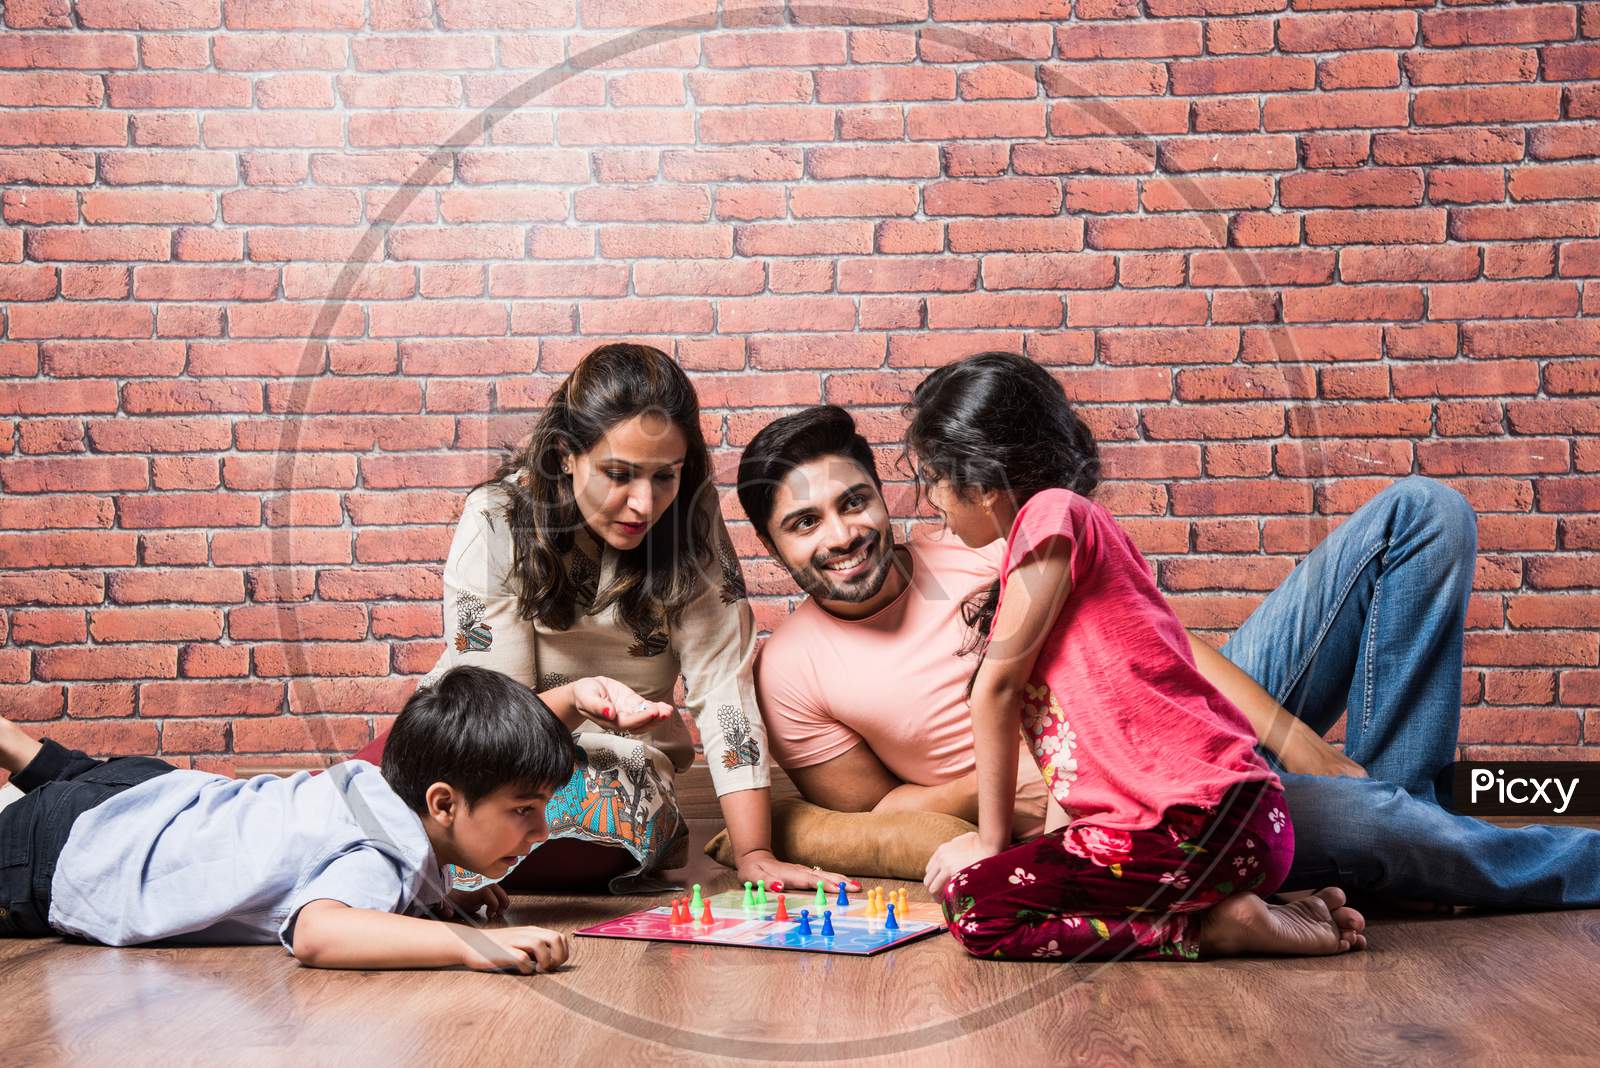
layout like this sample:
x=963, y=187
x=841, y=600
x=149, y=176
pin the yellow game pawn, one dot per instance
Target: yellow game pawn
x=900, y=905
x=872, y=904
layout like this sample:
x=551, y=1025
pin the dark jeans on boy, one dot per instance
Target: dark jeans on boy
x=60, y=785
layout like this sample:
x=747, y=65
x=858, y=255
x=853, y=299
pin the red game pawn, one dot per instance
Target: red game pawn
x=677, y=911
x=783, y=910
x=705, y=913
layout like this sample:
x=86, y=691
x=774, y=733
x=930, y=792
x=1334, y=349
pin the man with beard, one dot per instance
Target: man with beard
x=863, y=686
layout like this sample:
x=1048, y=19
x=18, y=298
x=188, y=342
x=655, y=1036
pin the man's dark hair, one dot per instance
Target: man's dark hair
x=477, y=730
x=784, y=444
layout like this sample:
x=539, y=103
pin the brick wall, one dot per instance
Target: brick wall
x=1280, y=255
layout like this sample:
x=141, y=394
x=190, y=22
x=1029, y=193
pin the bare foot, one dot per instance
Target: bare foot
x=1315, y=925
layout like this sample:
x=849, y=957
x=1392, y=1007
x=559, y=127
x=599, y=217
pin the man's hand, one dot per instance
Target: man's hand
x=960, y=852
x=491, y=897
x=1305, y=753
x=760, y=865
x=613, y=705
x=515, y=949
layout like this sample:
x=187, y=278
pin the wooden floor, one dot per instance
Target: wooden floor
x=1501, y=989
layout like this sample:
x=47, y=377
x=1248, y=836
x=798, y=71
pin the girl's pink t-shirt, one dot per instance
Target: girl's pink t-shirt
x=1121, y=722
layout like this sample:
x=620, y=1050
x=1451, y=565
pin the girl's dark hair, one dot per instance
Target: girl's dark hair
x=998, y=421
x=477, y=730
x=654, y=580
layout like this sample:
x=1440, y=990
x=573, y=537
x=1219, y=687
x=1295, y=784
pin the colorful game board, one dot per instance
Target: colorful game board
x=756, y=926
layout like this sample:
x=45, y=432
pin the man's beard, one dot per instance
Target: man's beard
x=820, y=584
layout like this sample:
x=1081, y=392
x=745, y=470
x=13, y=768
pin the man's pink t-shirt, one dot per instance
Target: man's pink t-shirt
x=892, y=680
x=1120, y=721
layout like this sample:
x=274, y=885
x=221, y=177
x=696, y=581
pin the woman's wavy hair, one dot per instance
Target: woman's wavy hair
x=656, y=579
x=997, y=421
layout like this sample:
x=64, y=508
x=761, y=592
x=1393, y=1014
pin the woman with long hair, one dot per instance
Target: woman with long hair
x=595, y=567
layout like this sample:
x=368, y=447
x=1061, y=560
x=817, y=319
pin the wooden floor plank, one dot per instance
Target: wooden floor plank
x=1472, y=989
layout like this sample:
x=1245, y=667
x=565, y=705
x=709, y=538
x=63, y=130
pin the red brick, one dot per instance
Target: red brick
x=122, y=662
x=32, y=702
x=1518, y=650
x=1470, y=145
x=48, y=626
x=1257, y=153
x=1265, y=74
x=1444, y=107
x=1302, y=267
x=1542, y=22
x=1517, y=456
x=1360, y=420
x=855, y=199
x=1228, y=114
x=1218, y=421
x=1245, y=383
x=942, y=122
x=1129, y=116
x=236, y=547
x=1466, y=380
x=1359, y=70
x=1347, y=32
x=1224, y=498
x=368, y=658
x=155, y=624
x=1471, y=66
x=1525, y=221
x=406, y=621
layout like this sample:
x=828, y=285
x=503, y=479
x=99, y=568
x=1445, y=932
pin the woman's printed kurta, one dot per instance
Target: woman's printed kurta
x=622, y=791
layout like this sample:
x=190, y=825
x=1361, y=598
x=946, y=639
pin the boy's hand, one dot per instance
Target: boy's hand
x=491, y=897
x=613, y=705
x=515, y=949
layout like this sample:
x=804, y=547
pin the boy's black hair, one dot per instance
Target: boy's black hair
x=784, y=444
x=477, y=730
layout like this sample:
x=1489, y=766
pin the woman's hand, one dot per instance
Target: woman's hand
x=960, y=852
x=760, y=865
x=491, y=897
x=611, y=704
x=1305, y=753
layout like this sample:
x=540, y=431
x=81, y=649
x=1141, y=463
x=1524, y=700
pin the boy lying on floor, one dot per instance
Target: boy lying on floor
x=341, y=867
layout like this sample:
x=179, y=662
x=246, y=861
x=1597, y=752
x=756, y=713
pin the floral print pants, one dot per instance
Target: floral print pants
x=1091, y=893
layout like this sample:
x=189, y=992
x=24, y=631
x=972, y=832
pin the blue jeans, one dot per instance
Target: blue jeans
x=1371, y=622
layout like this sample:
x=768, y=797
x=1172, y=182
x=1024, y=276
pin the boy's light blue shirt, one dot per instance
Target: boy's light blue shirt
x=198, y=857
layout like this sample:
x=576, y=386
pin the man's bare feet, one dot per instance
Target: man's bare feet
x=16, y=748
x=1315, y=925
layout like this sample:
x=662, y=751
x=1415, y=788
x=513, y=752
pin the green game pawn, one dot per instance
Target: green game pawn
x=761, y=894
x=749, y=896
x=822, y=896
x=695, y=902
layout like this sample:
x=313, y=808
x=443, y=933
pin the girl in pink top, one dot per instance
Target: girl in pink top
x=1174, y=826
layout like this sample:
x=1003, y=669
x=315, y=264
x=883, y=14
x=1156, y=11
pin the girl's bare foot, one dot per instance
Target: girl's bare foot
x=1315, y=925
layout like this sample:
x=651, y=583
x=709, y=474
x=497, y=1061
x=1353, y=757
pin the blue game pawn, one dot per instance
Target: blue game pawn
x=827, y=924
x=844, y=898
x=890, y=924
x=805, y=922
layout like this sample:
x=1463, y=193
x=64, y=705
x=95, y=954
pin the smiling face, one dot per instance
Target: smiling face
x=629, y=479
x=491, y=836
x=830, y=530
